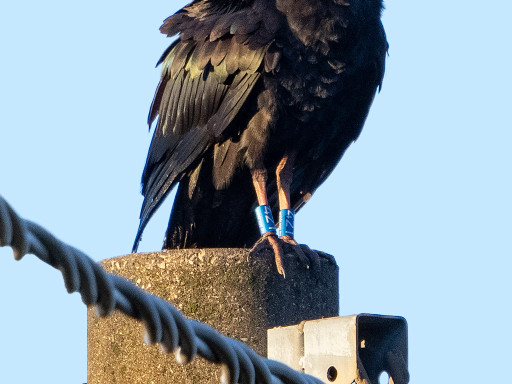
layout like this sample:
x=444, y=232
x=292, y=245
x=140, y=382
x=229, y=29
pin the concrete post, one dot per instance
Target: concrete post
x=240, y=295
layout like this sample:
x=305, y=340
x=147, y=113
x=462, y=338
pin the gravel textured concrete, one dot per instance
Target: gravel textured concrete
x=239, y=294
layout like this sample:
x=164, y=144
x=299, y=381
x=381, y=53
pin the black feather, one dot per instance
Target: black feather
x=245, y=83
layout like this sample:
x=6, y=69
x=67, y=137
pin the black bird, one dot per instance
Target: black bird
x=257, y=102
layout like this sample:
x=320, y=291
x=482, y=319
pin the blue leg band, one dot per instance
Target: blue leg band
x=265, y=219
x=286, y=222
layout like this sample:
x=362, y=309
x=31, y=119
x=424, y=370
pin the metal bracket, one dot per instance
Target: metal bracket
x=344, y=350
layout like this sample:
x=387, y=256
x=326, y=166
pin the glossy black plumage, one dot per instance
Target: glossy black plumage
x=246, y=83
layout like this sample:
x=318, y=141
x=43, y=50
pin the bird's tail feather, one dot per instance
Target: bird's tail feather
x=203, y=216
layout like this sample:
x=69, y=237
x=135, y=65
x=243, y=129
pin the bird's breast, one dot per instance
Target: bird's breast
x=315, y=76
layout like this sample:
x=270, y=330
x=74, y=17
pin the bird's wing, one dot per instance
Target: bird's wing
x=207, y=75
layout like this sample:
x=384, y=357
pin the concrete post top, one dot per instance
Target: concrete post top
x=238, y=293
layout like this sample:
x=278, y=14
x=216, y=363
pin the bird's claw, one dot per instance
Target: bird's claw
x=271, y=239
x=287, y=245
x=306, y=254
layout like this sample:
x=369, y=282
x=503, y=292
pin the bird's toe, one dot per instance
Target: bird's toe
x=292, y=247
x=270, y=239
x=313, y=256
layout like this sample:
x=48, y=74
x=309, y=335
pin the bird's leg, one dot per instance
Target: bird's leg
x=284, y=176
x=284, y=180
x=265, y=220
x=259, y=180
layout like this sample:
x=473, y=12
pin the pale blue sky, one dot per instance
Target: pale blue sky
x=418, y=213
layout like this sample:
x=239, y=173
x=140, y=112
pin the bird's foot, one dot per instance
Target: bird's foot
x=287, y=245
x=306, y=254
x=270, y=238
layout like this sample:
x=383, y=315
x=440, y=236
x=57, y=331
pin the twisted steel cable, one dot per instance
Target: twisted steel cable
x=164, y=323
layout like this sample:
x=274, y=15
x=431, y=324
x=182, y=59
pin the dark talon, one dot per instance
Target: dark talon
x=306, y=254
x=330, y=258
x=291, y=246
x=313, y=256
